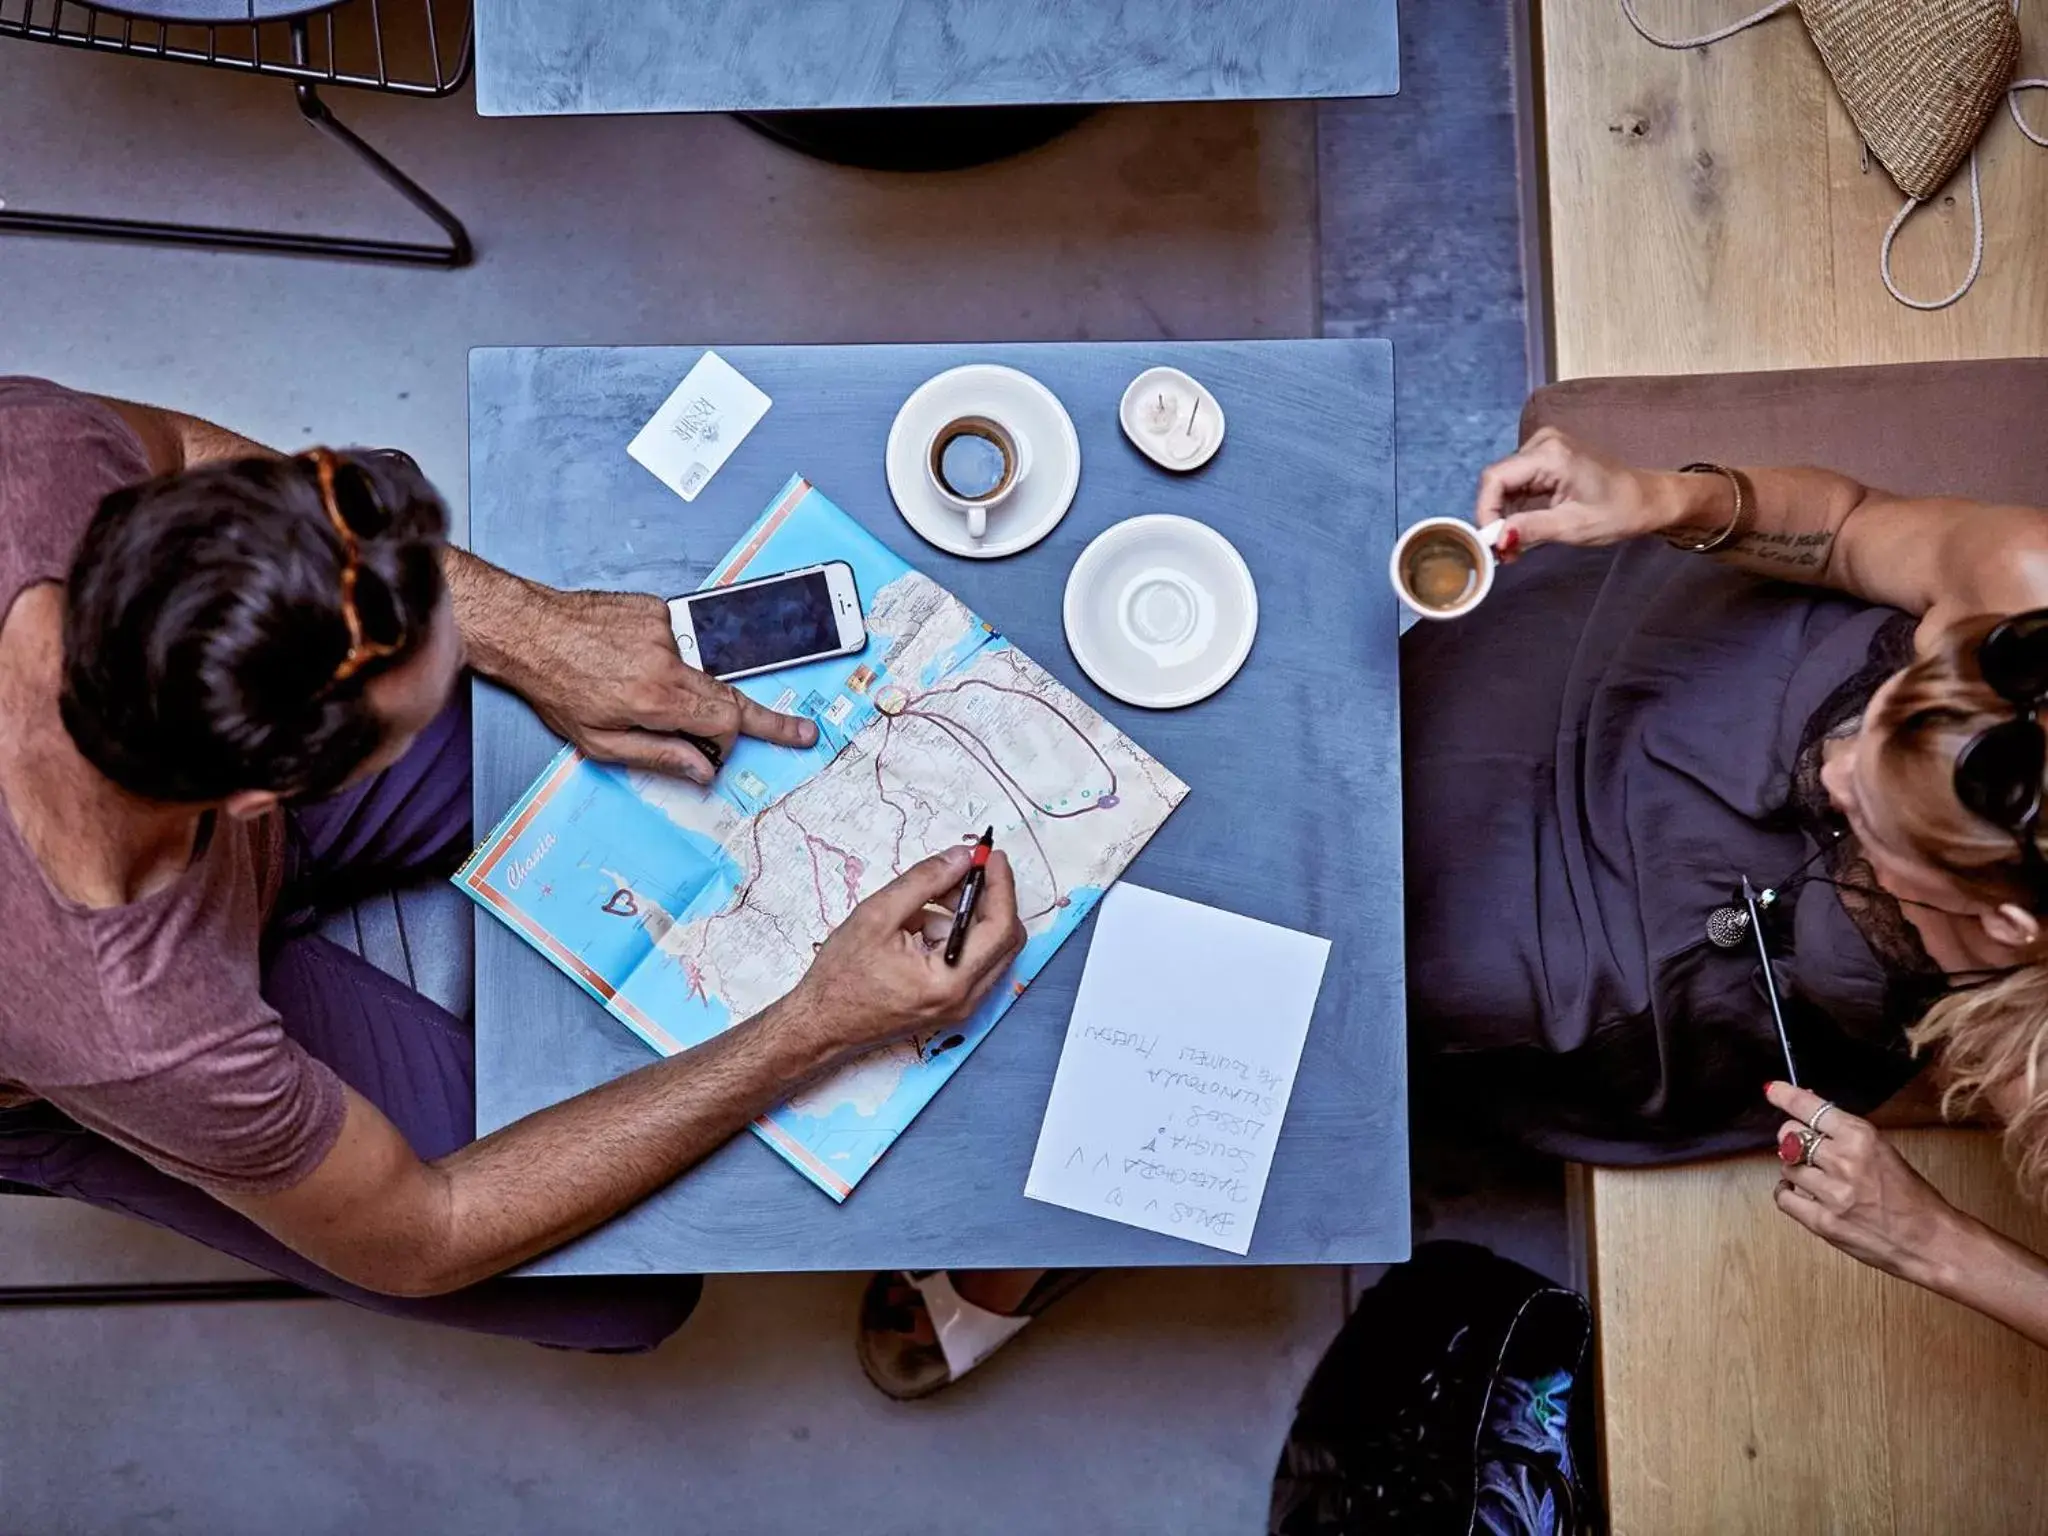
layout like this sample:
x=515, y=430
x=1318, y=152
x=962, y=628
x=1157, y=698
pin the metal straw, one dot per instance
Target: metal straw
x=1756, y=928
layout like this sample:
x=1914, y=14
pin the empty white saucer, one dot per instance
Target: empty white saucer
x=1160, y=611
x=1028, y=409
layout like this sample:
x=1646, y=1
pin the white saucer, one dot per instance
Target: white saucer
x=1029, y=409
x=1160, y=611
x=1172, y=419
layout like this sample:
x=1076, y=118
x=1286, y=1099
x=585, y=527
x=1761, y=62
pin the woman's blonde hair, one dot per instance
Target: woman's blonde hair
x=1992, y=1036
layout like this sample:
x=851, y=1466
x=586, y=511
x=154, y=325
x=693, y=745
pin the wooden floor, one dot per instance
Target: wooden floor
x=1708, y=212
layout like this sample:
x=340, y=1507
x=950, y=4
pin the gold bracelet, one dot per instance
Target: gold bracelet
x=1708, y=545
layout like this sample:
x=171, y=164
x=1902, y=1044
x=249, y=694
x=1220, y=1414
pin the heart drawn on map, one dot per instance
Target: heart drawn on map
x=622, y=904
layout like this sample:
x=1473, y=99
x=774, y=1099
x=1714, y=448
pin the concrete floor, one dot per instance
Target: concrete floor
x=1150, y=1402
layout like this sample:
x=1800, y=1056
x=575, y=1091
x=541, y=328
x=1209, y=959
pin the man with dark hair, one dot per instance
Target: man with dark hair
x=228, y=697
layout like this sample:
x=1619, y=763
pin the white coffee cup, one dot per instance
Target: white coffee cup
x=987, y=461
x=1442, y=568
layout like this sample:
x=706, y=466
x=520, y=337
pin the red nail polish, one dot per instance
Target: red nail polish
x=1788, y=1149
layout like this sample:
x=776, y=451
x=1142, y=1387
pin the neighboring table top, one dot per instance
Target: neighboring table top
x=541, y=57
x=1293, y=816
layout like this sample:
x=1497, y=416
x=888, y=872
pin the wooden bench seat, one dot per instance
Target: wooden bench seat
x=1756, y=1382
x=1709, y=211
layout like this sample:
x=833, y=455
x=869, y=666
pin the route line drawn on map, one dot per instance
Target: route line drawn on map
x=976, y=749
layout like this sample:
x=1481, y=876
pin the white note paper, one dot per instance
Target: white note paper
x=702, y=421
x=1178, y=1064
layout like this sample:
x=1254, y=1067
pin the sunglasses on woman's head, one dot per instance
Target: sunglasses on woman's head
x=350, y=500
x=1998, y=774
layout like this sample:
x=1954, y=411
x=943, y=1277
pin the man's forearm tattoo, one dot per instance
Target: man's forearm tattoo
x=1791, y=551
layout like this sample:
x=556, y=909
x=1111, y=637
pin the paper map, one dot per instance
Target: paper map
x=685, y=910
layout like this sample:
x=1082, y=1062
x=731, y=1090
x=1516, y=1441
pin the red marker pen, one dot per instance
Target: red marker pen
x=970, y=896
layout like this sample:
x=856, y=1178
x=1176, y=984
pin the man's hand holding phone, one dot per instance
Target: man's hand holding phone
x=744, y=628
x=607, y=678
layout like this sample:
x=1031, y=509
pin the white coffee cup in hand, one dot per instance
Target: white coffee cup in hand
x=1443, y=567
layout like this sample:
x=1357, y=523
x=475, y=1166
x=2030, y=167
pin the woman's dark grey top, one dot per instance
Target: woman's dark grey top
x=1593, y=761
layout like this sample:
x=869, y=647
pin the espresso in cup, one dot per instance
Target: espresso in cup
x=1443, y=566
x=975, y=458
x=1441, y=571
x=974, y=462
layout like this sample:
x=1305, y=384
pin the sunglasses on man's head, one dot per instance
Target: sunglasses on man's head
x=1998, y=774
x=349, y=498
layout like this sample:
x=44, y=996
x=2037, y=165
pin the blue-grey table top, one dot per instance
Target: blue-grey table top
x=541, y=57
x=1293, y=816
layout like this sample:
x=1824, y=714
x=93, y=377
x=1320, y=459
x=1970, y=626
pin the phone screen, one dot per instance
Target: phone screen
x=763, y=626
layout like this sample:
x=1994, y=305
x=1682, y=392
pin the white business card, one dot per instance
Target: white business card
x=699, y=425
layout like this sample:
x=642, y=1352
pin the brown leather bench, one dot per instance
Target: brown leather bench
x=1752, y=1378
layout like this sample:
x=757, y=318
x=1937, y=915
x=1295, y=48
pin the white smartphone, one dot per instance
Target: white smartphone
x=772, y=621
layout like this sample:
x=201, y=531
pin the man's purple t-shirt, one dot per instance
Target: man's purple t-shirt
x=143, y=1022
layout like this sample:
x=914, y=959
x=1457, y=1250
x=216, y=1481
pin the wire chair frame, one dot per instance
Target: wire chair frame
x=309, y=48
x=416, y=48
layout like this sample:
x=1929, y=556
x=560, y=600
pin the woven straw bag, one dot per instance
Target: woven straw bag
x=1921, y=80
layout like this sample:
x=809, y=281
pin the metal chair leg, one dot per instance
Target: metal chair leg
x=456, y=251
x=174, y=1294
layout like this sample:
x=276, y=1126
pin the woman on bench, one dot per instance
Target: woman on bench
x=1719, y=676
x=1633, y=727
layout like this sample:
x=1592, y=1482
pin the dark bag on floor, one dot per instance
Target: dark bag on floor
x=1457, y=1400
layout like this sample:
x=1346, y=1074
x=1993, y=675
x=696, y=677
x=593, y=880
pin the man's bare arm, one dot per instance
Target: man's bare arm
x=377, y=1216
x=602, y=669
x=177, y=442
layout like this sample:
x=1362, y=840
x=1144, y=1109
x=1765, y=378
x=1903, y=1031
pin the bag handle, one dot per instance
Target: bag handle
x=1884, y=252
x=1628, y=9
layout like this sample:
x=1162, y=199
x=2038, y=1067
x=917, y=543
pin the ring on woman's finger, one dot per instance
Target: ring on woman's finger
x=1813, y=1120
x=1809, y=1143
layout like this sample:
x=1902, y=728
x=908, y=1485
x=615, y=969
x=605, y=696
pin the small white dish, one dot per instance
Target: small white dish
x=1172, y=419
x=1032, y=412
x=1160, y=611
